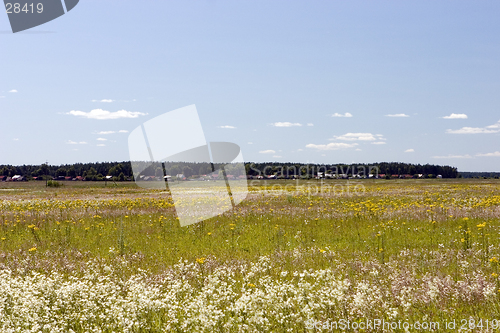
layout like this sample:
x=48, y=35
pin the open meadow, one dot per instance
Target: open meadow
x=83, y=257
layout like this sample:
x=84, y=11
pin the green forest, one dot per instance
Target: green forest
x=123, y=170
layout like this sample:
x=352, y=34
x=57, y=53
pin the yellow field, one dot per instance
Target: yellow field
x=84, y=257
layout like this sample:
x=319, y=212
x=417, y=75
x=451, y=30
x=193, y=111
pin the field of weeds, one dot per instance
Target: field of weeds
x=291, y=258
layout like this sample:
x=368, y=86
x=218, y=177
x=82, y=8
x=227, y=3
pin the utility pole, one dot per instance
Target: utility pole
x=46, y=180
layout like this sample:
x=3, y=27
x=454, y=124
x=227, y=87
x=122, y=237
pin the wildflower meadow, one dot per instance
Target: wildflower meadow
x=83, y=257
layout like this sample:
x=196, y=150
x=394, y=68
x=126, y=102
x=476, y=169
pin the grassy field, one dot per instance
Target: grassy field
x=84, y=257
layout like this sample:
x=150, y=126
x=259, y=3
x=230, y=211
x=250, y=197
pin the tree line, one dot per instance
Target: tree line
x=495, y=175
x=358, y=169
x=123, y=170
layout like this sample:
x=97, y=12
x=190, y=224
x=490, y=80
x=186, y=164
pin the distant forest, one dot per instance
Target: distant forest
x=480, y=174
x=123, y=170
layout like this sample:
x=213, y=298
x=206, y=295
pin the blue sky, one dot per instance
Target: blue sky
x=300, y=81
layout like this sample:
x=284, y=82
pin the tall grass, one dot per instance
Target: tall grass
x=396, y=250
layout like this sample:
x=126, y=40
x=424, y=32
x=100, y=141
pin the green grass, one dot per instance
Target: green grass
x=418, y=231
x=376, y=223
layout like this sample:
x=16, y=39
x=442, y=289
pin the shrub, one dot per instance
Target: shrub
x=53, y=183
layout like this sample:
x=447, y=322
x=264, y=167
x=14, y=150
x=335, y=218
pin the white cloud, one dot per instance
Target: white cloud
x=376, y=139
x=286, y=124
x=310, y=124
x=397, y=115
x=345, y=115
x=495, y=128
x=101, y=145
x=269, y=151
x=357, y=149
x=453, y=156
x=355, y=137
x=103, y=100
x=300, y=149
x=70, y=142
x=456, y=116
x=16, y=139
x=227, y=126
x=472, y=130
x=495, y=154
x=110, y=132
x=411, y=150
x=102, y=114
x=101, y=139
x=332, y=146
x=13, y=91
x=277, y=156
x=495, y=125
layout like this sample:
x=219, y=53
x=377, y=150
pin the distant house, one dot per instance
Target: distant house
x=180, y=176
x=439, y=176
x=18, y=178
x=325, y=175
x=3, y=178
